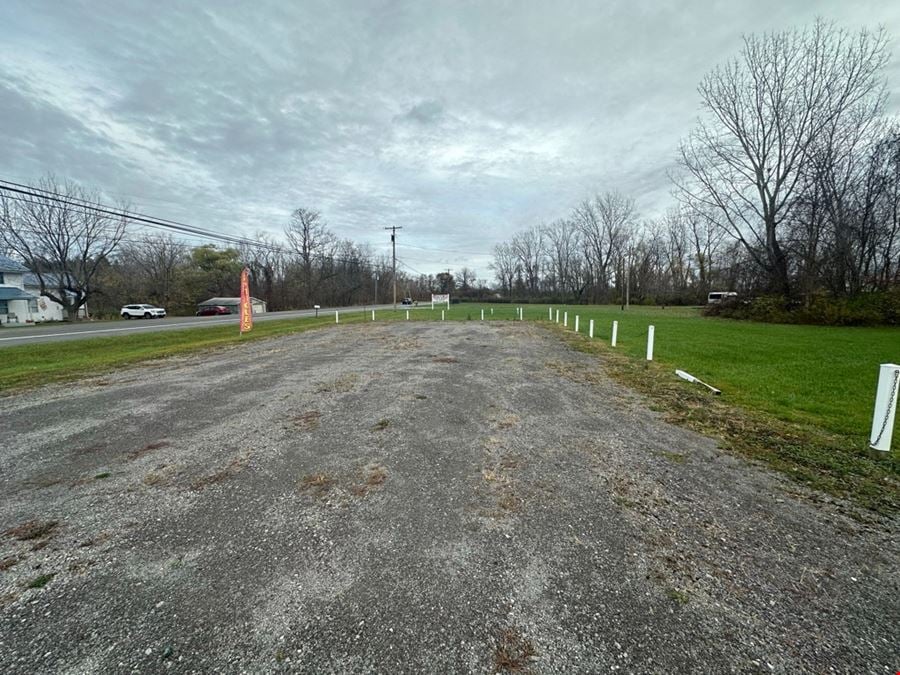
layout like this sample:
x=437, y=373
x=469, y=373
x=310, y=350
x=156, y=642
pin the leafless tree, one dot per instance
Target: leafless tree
x=505, y=267
x=764, y=111
x=64, y=237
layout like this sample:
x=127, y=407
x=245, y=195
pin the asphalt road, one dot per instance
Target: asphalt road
x=56, y=332
x=427, y=497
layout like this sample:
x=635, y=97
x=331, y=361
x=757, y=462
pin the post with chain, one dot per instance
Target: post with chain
x=885, y=407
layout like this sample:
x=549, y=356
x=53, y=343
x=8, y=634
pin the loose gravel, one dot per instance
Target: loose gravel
x=413, y=497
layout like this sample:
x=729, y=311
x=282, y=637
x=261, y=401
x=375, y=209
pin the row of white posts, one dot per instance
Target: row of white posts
x=651, y=330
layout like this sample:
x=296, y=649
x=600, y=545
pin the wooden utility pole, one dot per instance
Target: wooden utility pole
x=393, y=230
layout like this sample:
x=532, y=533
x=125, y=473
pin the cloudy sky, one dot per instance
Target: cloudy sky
x=459, y=121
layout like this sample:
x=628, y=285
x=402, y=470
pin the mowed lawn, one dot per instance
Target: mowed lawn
x=819, y=375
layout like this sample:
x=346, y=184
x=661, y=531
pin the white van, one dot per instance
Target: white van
x=716, y=297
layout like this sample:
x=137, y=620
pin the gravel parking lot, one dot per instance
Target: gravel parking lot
x=416, y=497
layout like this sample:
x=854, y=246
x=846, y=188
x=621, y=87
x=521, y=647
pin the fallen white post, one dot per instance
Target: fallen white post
x=650, y=331
x=696, y=380
x=591, y=329
x=565, y=319
x=576, y=323
x=615, y=333
x=885, y=407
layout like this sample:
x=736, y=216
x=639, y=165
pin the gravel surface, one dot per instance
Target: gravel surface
x=416, y=497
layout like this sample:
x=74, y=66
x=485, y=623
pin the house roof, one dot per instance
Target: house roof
x=13, y=293
x=10, y=265
x=225, y=301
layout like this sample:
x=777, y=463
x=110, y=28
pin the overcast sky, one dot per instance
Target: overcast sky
x=462, y=122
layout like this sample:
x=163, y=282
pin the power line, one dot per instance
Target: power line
x=22, y=192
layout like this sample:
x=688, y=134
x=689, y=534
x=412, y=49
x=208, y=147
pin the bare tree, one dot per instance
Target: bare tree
x=746, y=158
x=309, y=237
x=505, y=267
x=528, y=247
x=64, y=235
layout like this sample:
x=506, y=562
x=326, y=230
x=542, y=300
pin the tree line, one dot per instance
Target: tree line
x=85, y=253
x=788, y=185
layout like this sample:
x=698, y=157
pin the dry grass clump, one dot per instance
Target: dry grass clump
x=514, y=651
x=32, y=529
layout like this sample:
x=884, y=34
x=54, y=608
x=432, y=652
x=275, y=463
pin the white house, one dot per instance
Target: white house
x=20, y=296
x=47, y=309
x=15, y=303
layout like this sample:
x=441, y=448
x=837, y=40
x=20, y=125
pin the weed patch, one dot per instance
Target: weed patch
x=308, y=421
x=147, y=449
x=381, y=425
x=40, y=581
x=513, y=652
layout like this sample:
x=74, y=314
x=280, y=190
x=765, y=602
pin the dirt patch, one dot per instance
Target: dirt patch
x=147, y=449
x=316, y=483
x=308, y=421
x=7, y=562
x=32, y=529
x=229, y=470
x=339, y=385
x=445, y=359
x=381, y=425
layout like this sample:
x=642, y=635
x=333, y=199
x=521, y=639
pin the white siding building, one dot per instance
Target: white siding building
x=15, y=303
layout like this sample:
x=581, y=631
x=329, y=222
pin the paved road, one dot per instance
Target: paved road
x=56, y=332
x=418, y=497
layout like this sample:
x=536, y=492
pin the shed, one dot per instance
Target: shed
x=234, y=304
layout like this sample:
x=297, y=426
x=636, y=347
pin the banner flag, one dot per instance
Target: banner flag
x=246, y=307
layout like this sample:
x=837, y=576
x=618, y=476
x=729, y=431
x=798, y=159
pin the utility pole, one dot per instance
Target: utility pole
x=393, y=230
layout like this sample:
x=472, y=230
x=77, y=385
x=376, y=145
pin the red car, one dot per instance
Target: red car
x=213, y=310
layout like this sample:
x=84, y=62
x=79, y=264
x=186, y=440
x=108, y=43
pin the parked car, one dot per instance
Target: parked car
x=406, y=301
x=213, y=310
x=143, y=312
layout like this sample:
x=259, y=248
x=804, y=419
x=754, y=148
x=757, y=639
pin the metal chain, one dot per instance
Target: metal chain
x=887, y=412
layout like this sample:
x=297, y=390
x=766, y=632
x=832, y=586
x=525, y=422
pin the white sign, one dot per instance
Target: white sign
x=439, y=298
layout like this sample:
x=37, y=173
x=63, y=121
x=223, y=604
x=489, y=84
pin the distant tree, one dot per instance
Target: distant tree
x=63, y=237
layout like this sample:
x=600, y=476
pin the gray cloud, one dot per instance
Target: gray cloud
x=460, y=122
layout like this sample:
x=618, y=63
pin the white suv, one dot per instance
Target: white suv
x=143, y=312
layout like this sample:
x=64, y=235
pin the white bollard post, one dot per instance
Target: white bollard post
x=591, y=329
x=551, y=313
x=557, y=316
x=650, y=331
x=337, y=317
x=492, y=311
x=521, y=313
x=442, y=315
x=576, y=323
x=407, y=315
x=432, y=304
x=373, y=315
x=482, y=315
x=885, y=407
x=615, y=333
x=565, y=319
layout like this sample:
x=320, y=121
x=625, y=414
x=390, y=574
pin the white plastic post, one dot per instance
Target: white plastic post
x=650, y=331
x=373, y=315
x=492, y=311
x=521, y=313
x=337, y=317
x=615, y=333
x=576, y=323
x=885, y=407
x=591, y=329
x=482, y=315
x=551, y=313
x=557, y=316
x=442, y=315
x=432, y=304
x=407, y=315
